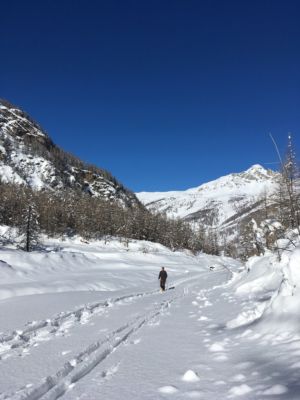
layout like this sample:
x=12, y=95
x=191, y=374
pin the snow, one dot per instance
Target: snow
x=215, y=347
x=275, y=390
x=8, y=175
x=37, y=170
x=272, y=290
x=223, y=195
x=239, y=390
x=168, y=390
x=14, y=118
x=190, y=376
x=22, y=165
x=81, y=320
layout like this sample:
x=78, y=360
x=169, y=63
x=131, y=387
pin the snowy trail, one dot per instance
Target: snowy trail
x=139, y=343
x=189, y=353
x=55, y=386
x=27, y=337
x=32, y=342
x=82, y=363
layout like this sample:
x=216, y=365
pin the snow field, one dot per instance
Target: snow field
x=95, y=325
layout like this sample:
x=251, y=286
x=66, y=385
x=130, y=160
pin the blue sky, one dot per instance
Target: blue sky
x=164, y=94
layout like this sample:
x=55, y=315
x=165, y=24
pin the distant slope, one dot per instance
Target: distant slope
x=28, y=156
x=218, y=202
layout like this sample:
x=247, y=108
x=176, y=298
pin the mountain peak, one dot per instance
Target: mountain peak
x=29, y=157
x=256, y=168
x=215, y=202
x=257, y=171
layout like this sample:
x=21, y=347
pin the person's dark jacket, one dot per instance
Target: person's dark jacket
x=163, y=275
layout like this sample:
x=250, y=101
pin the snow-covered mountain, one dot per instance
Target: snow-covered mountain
x=28, y=156
x=216, y=203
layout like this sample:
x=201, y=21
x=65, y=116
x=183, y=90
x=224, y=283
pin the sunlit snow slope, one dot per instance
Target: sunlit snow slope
x=215, y=202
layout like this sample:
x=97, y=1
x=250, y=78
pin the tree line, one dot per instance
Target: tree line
x=71, y=212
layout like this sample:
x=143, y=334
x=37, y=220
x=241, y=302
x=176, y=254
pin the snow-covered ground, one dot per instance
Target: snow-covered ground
x=224, y=196
x=87, y=321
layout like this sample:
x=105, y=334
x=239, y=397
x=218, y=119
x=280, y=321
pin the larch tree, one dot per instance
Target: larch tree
x=30, y=226
x=289, y=188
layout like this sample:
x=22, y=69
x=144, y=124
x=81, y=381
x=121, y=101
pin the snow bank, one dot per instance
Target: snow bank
x=271, y=290
x=77, y=265
x=285, y=304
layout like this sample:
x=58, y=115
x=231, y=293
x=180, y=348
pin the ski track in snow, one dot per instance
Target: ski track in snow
x=55, y=386
x=46, y=329
x=237, y=361
x=42, y=331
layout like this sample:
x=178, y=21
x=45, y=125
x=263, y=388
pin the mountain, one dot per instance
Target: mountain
x=28, y=156
x=218, y=204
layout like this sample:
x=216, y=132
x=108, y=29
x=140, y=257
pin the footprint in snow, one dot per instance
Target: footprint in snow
x=275, y=390
x=239, y=390
x=168, y=390
x=217, y=347
x=219, y=351
x=238, y=378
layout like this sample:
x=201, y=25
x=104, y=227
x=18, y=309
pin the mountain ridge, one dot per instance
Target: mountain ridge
x=215, y=202
x=28, y=156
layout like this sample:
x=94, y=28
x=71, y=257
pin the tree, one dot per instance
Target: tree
x=288, y=193
x=30, y=226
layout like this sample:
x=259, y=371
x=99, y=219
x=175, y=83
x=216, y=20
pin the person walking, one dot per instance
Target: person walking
x=163, y=277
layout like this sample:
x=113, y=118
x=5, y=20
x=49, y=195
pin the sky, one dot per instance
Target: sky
x=165, y=94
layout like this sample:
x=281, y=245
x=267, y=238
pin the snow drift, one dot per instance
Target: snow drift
x=271, y=291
